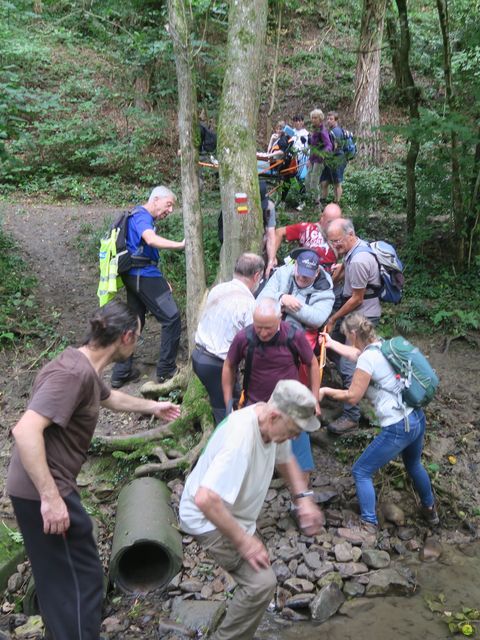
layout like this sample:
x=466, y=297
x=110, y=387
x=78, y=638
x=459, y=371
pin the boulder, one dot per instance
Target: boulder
x=327, y=602
x=198, y=615
x=388, y=582
x=376, y=559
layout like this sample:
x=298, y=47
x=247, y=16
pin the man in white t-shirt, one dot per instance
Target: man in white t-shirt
x=225, y=492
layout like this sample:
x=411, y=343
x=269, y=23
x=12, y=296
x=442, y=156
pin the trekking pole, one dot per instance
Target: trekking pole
x=322, y=358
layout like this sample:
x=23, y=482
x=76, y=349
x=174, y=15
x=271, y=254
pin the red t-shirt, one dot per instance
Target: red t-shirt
x=309, y=236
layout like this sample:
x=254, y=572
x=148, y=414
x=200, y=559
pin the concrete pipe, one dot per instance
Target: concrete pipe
x=147, y=547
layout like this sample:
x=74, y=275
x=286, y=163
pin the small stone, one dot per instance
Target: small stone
x=392, y=513
x=288, y=553
x=432, y=550
x=207, y=591
x=328, y=578
x=406, y=533
x=281, y=597
x=293, y=565
x=388, y=582
x=326, y=567
x=343, y=552
x=376, y=559
x=313, y=560
x=191, y=586
x=353, y=589
x=356, y=553
x=413, y=545
x=348, y=569
x=327, y=494
x=327, y=602
x=333, y=517
x=300, y=600
x=166, y=627
x=271, y=495
x=14, y=582
x=297, y=585
x=305, y=573
x=112, y=624
x=32, y=629
x=281, y=571
x=400, y=548
x=294, y=616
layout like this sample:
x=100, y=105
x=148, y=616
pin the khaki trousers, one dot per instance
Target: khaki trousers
x=254, y=590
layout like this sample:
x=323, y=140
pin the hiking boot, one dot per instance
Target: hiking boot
x=363, y=533
x=342, y=425
x=134, y=375
x=430, y=515
x=167, y=376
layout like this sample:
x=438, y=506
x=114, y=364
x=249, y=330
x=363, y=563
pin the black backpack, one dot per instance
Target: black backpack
x=208, y=140
x=125, y=259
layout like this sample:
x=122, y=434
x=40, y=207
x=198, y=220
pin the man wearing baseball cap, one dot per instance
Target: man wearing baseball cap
x=305, y=291
x=225, y=492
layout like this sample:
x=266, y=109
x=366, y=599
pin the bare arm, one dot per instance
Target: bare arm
x=311, y=517
x=214, y=509
x=228, y=381
x=270, y=248
x=29, y=438
x=356, y=391
x=280, y=234
x=119, y=401
x=314, y=379
x=159, y=242
x=350, y=305
x=345, y=350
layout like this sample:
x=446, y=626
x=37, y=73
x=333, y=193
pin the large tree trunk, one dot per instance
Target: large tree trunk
x=458, y=208
x=188, y=138
x=247, y=24
x=367, y=80
x=412, y=96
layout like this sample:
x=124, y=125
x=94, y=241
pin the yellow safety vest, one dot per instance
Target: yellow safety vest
x=110, y=282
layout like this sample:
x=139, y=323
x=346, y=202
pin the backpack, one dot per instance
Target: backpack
x=125, y=259
x=348, y=144
x=289, y=166
x=419, y=380
x=253, y=343
x=391, y=271
x=208, y=140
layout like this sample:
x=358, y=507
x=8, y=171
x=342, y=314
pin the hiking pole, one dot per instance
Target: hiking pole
x=322, y=358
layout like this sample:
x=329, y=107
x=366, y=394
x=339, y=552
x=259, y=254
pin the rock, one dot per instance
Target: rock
x=333, y=517
x=281, y=597
x=284, y=524
x=113, y=624
x=305, y=573
x=32, y=629
x=271, y=495
x=353, y=589
x=327, y=494
x=281, y=571
x=388, y=582
x=431, y=551
x=400, y=548
x=376, y=559
x=198, y=615
x=357, y=536
x=406, y=533
x=297, y=585
x=356, y=554
x=191, y=586
x=321, y=481
x=207, y=591
x=300, y=600
x=352, y=608
x=288, y=553
x=325, y=568
x=392, y=513
x=327, y=602
x=328, y=578
x=343, y=552
x=413, y=545
x=14, y=582
x=293, y=566
x=313, y=560
x=295, y=616
x=348, y=569
x=166, y=627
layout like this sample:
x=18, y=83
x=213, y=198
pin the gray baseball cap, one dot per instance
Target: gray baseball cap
x=298, y=402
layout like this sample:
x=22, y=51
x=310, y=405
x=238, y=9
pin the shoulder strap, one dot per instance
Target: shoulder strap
x=292, y=330
x=251, y=342
x=375, y=289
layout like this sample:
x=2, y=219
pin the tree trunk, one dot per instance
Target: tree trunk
x=142, y=87
x=188, y=139
x=274, y=76
x=458, y=210
x=367, y=80
x=394, y=43
x=412, y=97
x=237, y=130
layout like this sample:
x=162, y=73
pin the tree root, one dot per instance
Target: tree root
x=130, y=442
x=155, y=390
x=187, y=460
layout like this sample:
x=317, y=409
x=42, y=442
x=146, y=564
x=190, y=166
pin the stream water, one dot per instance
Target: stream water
x=455, y=574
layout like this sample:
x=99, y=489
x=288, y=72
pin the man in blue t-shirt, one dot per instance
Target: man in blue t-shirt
x=334, y=166
x=147, y=289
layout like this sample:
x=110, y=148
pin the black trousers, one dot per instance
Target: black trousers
x=154, y=295
x=67, y=570
x=209, y=369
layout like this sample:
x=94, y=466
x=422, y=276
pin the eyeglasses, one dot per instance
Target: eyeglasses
x=337, y=241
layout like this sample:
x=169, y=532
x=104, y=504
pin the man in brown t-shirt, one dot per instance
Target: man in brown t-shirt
x=51, y=441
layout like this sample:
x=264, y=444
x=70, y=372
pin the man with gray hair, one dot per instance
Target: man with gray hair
x=361, y=287
x=226, y=490
x=229, y=308
x=147, y=289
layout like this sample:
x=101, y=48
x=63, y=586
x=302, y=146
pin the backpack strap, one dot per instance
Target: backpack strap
x=374, y=288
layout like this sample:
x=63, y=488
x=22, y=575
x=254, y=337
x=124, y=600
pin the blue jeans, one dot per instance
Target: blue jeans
x=392, y=441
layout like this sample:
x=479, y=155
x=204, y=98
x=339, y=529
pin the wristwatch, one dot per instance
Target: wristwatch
x=303, y=494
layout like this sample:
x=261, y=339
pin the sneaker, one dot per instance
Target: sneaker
x=430, y=515
x=363, y=533
x=342, y=425
x=134, y=375
x=167, y=376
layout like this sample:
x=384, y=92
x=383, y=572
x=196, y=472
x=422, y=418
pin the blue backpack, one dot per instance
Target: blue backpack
x=419, y=380
x=391, y=271
x=348, y=144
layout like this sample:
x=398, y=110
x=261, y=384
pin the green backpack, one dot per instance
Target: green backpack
x=419, y=379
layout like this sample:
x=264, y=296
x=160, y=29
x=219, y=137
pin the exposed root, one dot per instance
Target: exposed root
x=156, y=390
x=187, y=460
x=130, y=442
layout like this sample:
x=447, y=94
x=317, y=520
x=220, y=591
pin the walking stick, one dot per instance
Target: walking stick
x=322, y=358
